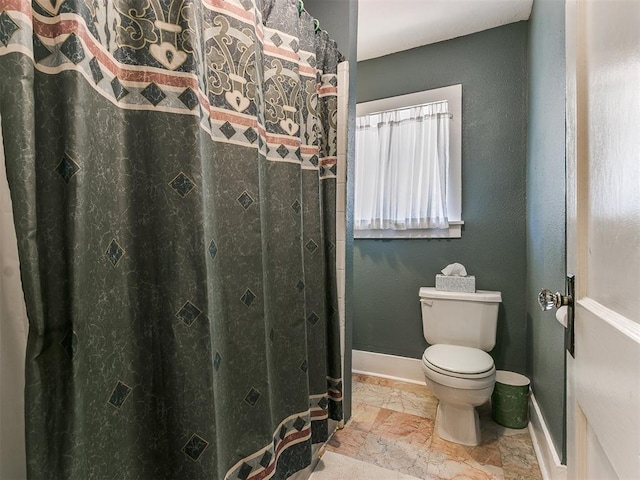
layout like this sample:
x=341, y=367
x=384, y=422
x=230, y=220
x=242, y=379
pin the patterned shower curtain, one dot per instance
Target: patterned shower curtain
x=172, y=167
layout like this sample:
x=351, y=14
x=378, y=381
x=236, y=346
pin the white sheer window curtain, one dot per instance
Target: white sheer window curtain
x=402, y=160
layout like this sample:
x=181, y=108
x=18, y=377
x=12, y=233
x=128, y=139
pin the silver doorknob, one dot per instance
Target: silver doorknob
x=547, y=299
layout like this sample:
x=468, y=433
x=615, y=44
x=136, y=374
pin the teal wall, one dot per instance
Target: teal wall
x=492, y=68
x=546, y=208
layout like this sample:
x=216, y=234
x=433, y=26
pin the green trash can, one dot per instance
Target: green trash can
x=510, y=400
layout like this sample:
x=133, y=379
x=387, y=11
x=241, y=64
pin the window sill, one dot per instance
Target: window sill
x=454, y=231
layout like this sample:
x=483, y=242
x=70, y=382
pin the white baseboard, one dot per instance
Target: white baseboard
x=548, y=459
x=388, y=366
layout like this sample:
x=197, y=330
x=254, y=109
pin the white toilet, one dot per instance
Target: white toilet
x=461, y=329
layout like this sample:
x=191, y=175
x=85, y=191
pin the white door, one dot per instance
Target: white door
x=603, y=237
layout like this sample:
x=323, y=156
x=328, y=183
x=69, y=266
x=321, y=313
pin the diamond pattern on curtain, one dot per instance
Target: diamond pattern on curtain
x=172, y=168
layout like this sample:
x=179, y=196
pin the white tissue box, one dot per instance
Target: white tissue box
x=456, y=284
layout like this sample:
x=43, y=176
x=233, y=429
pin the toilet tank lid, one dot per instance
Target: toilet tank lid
x=478, y=296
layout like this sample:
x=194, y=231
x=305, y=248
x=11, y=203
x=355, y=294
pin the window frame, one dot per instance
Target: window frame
x=452, y=94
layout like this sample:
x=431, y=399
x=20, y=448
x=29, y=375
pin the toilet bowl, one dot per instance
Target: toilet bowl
x=461, y=329
x=462, y=378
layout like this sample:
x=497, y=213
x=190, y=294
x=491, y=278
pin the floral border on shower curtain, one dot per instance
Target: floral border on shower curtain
x=225, y=96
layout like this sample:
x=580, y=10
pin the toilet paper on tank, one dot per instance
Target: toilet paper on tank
x=454, y=278
x=454, y=270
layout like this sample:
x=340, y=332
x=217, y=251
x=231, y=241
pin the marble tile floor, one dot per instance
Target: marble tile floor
x=392, y=428
x=333, y=466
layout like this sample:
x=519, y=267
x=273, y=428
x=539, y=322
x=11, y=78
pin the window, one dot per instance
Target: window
x=408, y=166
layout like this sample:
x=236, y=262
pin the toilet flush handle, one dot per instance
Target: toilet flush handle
x=426, y=302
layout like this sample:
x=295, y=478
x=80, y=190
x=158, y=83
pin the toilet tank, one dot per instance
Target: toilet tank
x=454, y=318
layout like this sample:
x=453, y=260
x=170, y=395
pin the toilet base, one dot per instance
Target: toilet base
x=458, y=424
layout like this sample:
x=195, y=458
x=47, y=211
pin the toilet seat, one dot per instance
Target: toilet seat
x=464, y=362
x=459, y=367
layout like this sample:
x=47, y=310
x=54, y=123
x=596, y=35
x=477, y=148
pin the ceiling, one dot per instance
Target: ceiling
x=389, y=26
